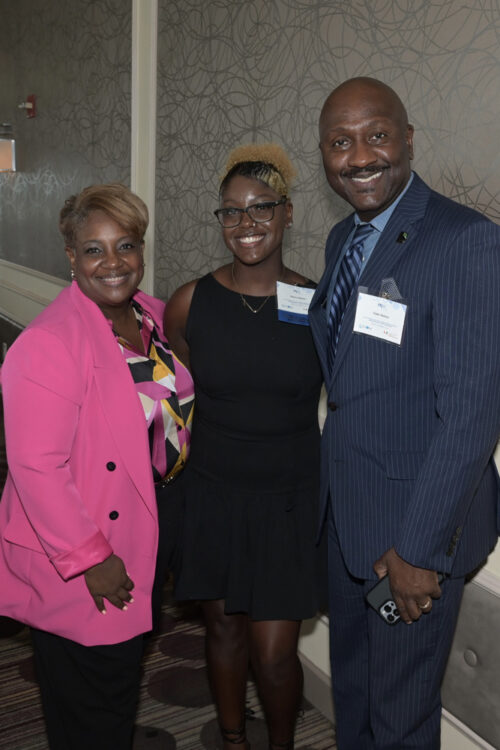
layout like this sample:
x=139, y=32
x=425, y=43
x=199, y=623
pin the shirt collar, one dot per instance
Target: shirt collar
x=379, y=222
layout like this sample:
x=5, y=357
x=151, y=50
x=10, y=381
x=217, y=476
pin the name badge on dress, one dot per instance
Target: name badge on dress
x=380, y=317
x=293, y=303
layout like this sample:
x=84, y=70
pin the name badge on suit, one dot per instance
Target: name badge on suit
x=381, y=316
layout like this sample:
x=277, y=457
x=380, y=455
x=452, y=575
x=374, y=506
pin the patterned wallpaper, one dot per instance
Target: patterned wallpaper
x=76, y=57
x=232, y=72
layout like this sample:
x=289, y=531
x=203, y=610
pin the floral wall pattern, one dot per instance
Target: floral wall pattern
x=232, y=72
x=76, y=57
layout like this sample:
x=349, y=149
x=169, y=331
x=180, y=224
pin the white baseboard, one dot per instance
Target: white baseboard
x=454, y=734
x=457, y=736
x=317, y=688
x=488, y=580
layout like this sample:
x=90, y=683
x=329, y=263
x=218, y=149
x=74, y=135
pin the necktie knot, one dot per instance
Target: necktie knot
x=361, y=233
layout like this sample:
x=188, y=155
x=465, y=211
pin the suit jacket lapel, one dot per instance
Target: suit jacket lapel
x=385, y=256
x=318, y=311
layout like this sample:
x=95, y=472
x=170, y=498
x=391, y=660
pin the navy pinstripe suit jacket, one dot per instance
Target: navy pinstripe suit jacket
x=407, y=454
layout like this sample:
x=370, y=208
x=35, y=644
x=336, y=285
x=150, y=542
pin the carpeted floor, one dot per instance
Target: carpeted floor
x=175, y=710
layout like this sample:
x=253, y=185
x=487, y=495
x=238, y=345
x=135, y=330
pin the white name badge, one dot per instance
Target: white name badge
x=380, y=317
x=293, y=303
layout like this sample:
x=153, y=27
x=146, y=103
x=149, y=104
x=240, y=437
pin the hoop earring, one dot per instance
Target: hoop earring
x=72, y=274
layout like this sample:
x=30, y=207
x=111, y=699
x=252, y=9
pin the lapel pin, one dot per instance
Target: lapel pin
x=402, y=237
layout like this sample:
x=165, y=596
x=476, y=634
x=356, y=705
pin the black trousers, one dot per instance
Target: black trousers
x=89, y=693
x=170, y=502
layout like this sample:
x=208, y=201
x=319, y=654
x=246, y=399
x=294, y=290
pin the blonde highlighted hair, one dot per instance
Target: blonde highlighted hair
x=266, y=162
x=113, y=199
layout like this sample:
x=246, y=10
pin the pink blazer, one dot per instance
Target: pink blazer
x=80, y=482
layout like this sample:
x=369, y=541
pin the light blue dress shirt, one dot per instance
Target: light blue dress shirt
x=379, y=223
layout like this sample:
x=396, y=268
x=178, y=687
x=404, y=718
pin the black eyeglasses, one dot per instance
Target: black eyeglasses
x=258, y=212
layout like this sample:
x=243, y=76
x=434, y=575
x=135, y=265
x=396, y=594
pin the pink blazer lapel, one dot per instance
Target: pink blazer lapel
x=119, y=400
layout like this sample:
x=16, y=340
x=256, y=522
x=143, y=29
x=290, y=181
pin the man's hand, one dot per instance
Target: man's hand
x=413, y=588
x=109, y=580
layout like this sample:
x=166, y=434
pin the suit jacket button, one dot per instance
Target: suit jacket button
x=114, y=515
x=110, y=466
x=332, y=405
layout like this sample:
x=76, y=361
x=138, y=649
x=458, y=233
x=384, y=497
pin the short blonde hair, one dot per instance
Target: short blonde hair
x=266, y=162
x=113, y=199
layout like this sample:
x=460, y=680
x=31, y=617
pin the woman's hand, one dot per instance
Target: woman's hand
x=109, y=580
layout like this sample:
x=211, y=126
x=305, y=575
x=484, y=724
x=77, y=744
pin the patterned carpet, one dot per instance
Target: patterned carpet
x=175, y=710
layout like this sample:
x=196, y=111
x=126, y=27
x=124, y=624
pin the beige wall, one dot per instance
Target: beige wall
x=232, y=72
x=229, y=72
x=75, y=55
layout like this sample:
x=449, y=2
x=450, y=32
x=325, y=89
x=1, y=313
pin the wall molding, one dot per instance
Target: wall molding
x=317, y=690
x=143, y=125
x=488, y=580
x=313, y=653
x=473, y=739
x=25, y=292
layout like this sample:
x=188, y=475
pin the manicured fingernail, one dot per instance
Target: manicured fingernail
x=131, y=600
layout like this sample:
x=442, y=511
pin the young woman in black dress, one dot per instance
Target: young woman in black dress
x=248, y=546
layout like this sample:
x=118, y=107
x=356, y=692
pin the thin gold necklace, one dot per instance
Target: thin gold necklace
x=245, y=303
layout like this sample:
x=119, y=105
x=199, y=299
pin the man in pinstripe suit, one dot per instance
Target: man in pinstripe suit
x=409, y=485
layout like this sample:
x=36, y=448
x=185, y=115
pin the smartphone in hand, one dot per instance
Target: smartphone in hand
x=381, y=599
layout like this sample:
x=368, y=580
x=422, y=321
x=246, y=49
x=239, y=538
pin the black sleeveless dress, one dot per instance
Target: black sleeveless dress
x=252, y=479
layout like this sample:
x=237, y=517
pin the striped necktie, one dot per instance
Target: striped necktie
x=347, y=278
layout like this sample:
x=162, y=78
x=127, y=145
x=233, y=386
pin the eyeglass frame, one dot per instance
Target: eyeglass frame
x=241, y=211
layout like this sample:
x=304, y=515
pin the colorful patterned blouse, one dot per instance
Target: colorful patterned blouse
x=166, y=391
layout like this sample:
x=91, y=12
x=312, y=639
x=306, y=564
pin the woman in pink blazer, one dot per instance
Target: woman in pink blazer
x=97, y=418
